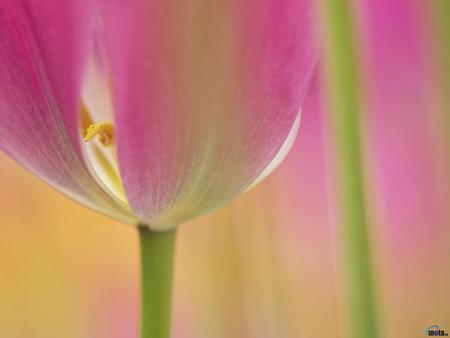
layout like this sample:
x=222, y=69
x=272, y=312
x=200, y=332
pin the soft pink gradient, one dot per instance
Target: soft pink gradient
x=410, y=187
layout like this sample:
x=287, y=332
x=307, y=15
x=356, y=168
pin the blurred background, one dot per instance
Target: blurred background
x=271, y=264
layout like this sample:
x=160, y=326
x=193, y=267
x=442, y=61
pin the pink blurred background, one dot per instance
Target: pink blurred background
x=269, y=264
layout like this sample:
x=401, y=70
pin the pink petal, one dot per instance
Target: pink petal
x=205, y=93
x=42, y=46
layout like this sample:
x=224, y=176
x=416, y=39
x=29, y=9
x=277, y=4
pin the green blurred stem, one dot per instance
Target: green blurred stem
x=345, y=93
x=157, y=256
x=440, y=10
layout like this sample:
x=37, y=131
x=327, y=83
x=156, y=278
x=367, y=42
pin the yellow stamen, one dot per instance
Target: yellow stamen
x=105, y=132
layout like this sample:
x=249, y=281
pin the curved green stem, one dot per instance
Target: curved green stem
x=345, y=84
x=157, y=255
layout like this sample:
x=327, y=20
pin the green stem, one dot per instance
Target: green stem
x=345, y=93
x=157, y=255
x=441, y=23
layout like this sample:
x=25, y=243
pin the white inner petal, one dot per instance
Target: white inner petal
x=96, y=93
x=97, y=99
x=105, y=166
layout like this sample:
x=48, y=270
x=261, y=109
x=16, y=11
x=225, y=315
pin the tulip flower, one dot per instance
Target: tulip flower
x=153, y=111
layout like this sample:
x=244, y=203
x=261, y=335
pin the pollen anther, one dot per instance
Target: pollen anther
x=104, y=131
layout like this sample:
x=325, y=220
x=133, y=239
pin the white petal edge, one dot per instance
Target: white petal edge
x=282, y=153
